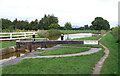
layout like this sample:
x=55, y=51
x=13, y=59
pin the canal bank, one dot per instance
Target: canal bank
x=13, y=54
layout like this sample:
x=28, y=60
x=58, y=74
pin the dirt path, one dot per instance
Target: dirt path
x=98, y=66
x=92, y=50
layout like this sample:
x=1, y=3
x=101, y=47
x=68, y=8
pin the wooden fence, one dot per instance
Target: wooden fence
x=16, y=35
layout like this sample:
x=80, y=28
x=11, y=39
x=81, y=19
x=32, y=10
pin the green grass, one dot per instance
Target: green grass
x=6, y=44
x=81, y=31
x=110, y=65
x=64, y=50
x=83, y=45
x=64, y=65
x=88, y=38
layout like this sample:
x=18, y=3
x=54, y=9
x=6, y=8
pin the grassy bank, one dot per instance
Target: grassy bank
x=6, y=44
x=110, y=65
x=81, y=31
x=88, y=38
x=64, y=65
x=63, y=50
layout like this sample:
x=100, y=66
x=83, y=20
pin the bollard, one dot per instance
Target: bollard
x=62, y=36
x=33, y=37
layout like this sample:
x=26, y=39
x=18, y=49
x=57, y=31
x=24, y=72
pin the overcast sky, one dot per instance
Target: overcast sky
x=78, y=12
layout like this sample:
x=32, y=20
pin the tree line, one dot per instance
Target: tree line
x=51, y=22
x=45, y=23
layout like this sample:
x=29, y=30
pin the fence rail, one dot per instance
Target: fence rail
x=16, y=35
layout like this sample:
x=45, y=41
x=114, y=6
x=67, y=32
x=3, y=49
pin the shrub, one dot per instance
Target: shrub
x=42, y=33
x=116, y=33
x=53, y=32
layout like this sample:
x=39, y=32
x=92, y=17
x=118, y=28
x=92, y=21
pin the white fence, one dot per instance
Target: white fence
x=16, y=35
x=91, y=42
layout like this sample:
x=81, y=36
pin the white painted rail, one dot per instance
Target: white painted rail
x=16, y=35
x=91, y=42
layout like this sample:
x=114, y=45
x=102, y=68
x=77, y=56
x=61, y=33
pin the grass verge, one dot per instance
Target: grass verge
x=63, y=65
x=110, y=65
x=64, y=50
x=81, y=31
x=88, y=38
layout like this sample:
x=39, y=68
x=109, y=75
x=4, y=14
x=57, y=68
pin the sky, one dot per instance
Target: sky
x=78, y=12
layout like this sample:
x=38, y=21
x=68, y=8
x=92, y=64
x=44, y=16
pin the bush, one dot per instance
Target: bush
x=116, y=33
x=53, y=32
x=42, y=33
x=49, y=33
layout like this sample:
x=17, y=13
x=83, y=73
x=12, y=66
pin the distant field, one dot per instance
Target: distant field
x=81, y=31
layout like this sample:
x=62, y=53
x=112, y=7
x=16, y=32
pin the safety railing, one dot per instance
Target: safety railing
x=16, y=35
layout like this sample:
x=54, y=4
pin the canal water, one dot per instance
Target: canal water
x=66, y=36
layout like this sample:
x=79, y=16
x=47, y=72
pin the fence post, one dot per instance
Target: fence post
x=24, y=34
x=10, y=35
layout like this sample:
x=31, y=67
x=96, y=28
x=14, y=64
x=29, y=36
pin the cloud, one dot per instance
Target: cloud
x=78, y=12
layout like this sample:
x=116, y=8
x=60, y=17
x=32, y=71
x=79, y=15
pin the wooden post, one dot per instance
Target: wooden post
x=17, y=45
x=25, y=34
x=62, y=36
x=29, y=46
x=10, y=35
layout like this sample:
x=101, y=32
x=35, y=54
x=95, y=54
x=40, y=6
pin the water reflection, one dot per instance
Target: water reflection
x=12, y=55
x=78, y=35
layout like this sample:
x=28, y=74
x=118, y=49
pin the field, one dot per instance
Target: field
x=81, y=31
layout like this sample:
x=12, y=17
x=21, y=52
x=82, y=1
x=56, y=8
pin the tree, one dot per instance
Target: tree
x=47, y=20
x=116, y=33
x=54, y=26
x=6, y=23
x=86, y=27
x=68, y=26
x=100, y=24
x=34, y=25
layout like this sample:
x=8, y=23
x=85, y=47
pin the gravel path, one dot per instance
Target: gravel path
x=99, y=65
x=92, y=50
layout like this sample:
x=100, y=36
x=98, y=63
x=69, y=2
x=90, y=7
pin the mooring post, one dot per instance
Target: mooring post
x=62, y=36
x=33, y=36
